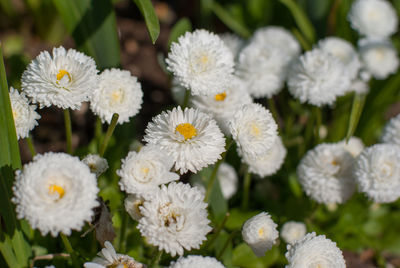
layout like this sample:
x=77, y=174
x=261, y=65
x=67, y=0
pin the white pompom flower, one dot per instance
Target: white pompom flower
x=193, y=261
x=269, y=163
x=260, y=233
x=145, y=170
x=108, y=257
x=233, y=42
x=373, y=18
x=175, y=218
x=254, y=130
x=377, y=172
x=228, y=180
x=354, y=146
x=344, y=51
x=202, y=62
x=391, y=132
x=359, y=86
x=191, y=138
x=97, y=164
x=379, y=58
x=292, y=231
x=224, y=106
x=314, y=251
x=24, y=114
x=65, y=79
x=118, y=92
x=56, y=193
x=325, y=173
x=132, y=204
x=318, y=78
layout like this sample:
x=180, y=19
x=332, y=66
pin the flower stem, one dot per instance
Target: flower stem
x=186, y=99
x=68, y=247
x=124, y=223
x=211, y=181
x=246, y=189
x=272, y=108
x=31, y=147
x=318, y=122
x=109, y=133
x=217, y=231
x=156, y=259
x=68, y=130
x=226, y=244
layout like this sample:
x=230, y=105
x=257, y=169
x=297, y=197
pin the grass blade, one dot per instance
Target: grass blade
x=150, y=17
x=180, y=28
x=93, y=26
x=356, y=110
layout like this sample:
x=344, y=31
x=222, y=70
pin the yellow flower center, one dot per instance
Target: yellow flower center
x=117, y=96
x=15, y=114
x=56, y=189
x=115, y=265
x=255, y=131
x=220, y=97
x=204, y=59
x=145, y=170
x=261, y=232
x=187, y=130
x=62, y=73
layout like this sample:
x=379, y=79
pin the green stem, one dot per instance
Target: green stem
x=186, y=99
x=211, y=181
x=272, y=108
x=217, y=231
x=124, y=223
x=156, y=259
x=69, y=249
x=226, y=244
x=68, y=130
x=31, y=147
x=318, y=123
x=109, y=133
x=246, y=189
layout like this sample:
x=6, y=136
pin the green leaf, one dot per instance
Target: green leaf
x=180, y=28
x=301, y=19
x=243, y=256
x=11, y=236
x=93, y=26
x=356, y=110
x=218, y=203
x=150, y=17
x=230, y=20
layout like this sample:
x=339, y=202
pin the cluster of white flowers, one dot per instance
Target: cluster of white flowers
x=174, y=218
x=24, y=114
x=264, y=61
x=314, y=251
x=325, y=173
x=55, y=193
x=260, y=233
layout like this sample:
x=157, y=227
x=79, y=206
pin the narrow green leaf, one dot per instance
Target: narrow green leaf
x=150, y=17
x=180, y=28
x=356, y=110
x=301, y=19
x=93, y=26
x=218, y=203
x=230, y=21
x=7, y=252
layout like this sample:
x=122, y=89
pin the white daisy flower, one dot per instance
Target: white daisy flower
x=55, y=193
x=259, y=232
x=344, y=51
x=224, y=106
x=233, y=42
x=228, y=180
x=391, y=132
x=191, y=138
x=292, y=231
x=325, y=173
x=108, y=257
x=359, y=86
x=269, y=163
x=380, y=58
x=24, y=114
x=314, y=251
x=202, y=62
x=175, y=218
x=264, y=61
x=65, y=79
x=97, y=165
x=318, y=78
x=354, y=146
x=132, y=204
x=373, y=18
x=377, y=172
x=118, y=92
x=145, y=170
x=193, y=261
x=254, y=130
